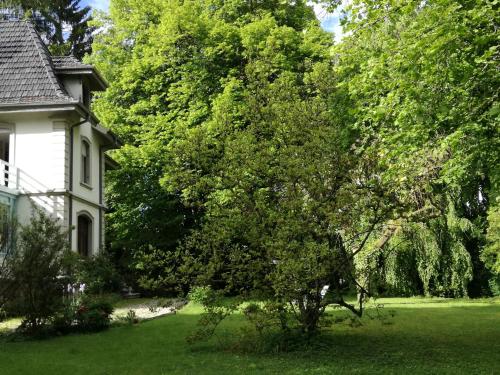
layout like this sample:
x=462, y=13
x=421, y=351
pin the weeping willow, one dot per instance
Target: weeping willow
x=428, y=258
x=491, y=253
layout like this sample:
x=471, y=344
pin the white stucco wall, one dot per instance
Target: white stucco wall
x=87, y=195
x=90, y=191
x=80, y=207
x=37, y=149
x=40, y=149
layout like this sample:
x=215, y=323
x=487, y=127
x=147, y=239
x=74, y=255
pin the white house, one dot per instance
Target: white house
x=52, y=148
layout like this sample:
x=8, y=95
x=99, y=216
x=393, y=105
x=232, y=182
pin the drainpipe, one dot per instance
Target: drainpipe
x=101, y=198
x=71, y=158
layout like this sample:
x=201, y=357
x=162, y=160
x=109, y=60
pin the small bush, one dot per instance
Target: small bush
x=93, y=315
x=64, y=321
x=3, y=315
x=216, y=307
x=97, y=273
x=84, y=314
x=268, y=316
x=494, y=284
x=175, y=303
x=201, y=294
x=35, y=267
x=131, y=317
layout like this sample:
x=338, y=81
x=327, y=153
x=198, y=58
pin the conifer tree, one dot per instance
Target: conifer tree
x=64, y=24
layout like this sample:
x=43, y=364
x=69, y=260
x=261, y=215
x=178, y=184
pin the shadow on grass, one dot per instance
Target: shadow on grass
x=431, y=340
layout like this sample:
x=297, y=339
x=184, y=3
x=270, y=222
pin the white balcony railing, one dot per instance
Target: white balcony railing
x=19, y=182
x=14, y=178
x=9, y=175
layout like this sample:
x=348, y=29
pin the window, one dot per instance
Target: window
x=5, y=176
x=84, y=234
x=85, y=162
x=86, y=96
x=5, y=227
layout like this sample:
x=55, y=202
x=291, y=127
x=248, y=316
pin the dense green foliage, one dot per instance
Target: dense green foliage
x=168, y=71
x=51, y=288
x=93, y=316
x=145, y=222
x=97, y=272
x=82, y=314
x=233, y=105
x=8, y=230
x=33, y=288
x=261, y=156
x=422, y=82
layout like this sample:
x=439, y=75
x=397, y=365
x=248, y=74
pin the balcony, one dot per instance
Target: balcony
x=14, y=182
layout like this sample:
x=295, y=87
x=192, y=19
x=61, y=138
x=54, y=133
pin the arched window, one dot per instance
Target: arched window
x=84, y=233
x=85, y=162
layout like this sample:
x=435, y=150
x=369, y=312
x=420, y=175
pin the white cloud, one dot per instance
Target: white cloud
x=330, y=21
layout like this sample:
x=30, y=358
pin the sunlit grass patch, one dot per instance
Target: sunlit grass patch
x=426, y=336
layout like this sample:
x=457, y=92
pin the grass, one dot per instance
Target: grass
x=426, y=336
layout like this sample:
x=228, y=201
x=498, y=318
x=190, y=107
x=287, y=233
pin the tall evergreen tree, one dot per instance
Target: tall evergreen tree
x=66, y=27
x=64, y=24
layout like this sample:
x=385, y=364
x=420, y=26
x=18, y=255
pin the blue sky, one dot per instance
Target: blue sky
x=329, y=21
x=98, y=4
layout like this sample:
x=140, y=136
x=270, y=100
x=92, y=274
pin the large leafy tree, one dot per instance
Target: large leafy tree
x=233, y=104
x=422, y=83
x=288, y=201
x=168, y=63
x=413, y=90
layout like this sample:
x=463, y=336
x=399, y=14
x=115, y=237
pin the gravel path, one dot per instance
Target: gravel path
x=143, y=312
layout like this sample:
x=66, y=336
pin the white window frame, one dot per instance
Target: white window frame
x=85, y=141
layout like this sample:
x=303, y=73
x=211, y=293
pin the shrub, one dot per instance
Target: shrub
x=494, y=284
x=97, y=273
x=8, y=230
x=200, y=294
x=35, y=266
x=272, y=327
x=216, y=307
x=3, y=315
x=35, y=288
x=131, y=317
x=82, y=314
x=64, y=321
x=268, y=316
x=93, y=315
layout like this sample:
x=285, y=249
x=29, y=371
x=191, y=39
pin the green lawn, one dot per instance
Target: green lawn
x=427, y=336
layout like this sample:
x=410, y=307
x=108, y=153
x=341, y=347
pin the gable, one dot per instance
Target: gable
x=26, y=70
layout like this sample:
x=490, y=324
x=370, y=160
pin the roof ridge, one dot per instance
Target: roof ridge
x=39, y=45
x=28, y=75
x=68, y=61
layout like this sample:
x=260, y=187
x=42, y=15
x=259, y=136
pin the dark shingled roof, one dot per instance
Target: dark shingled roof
x=68, y=62
x=26, y=68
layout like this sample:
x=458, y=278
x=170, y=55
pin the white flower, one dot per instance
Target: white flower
x=324, y=290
